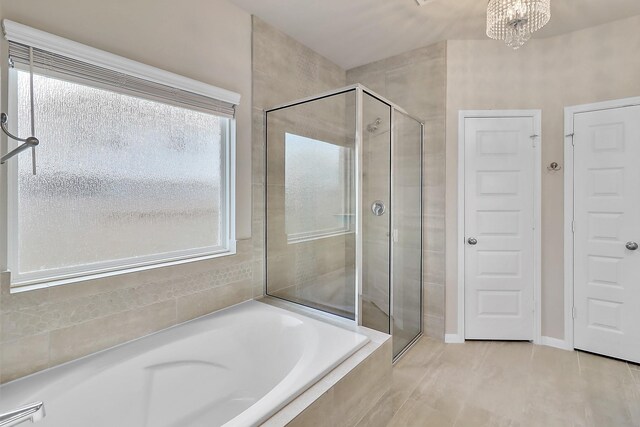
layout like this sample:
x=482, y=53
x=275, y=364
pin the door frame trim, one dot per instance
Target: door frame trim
x=536, y=115
x=569, y=113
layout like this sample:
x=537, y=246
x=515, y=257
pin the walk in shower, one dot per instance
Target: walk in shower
x=344, y=209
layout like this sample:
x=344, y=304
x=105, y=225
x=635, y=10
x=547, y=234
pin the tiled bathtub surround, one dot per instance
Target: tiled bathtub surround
x=360, y=395
x=356, y=393
x=50, y=326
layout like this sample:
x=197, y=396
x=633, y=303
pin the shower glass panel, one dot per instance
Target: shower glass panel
x=376, y=203
x=344, y=210
x=407, y=230
x=310, y=199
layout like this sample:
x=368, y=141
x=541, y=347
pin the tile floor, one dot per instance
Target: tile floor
x=512, y=384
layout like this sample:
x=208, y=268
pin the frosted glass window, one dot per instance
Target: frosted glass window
x=317, y=186
x=121, y=181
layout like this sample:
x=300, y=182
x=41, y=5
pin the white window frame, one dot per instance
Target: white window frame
x=9, y=176
x=347, y=228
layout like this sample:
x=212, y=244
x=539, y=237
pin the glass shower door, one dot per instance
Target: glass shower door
x=376, y=215
x=407, y=230
x=310, y=203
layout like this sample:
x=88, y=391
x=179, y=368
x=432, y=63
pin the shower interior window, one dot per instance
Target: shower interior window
x=123, y=182
x=317, y=188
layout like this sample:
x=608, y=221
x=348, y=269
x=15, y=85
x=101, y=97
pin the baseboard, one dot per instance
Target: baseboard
x=453, y=339
x=548, y=341
x=555, y=342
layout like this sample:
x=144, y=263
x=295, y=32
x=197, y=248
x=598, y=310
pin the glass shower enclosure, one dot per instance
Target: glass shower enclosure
x=343, y=229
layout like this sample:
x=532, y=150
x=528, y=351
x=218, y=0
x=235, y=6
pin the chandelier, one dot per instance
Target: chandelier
x=515, y=20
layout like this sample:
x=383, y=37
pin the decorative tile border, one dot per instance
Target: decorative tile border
x=24, y=320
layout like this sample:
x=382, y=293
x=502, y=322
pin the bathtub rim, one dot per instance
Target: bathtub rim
x=323, y=316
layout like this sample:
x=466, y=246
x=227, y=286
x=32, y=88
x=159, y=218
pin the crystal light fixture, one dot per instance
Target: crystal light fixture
x=515, y=20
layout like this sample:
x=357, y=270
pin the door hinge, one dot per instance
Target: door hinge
x=573, y=312
x=573, y=226
x=571, y=135
x=533, y=140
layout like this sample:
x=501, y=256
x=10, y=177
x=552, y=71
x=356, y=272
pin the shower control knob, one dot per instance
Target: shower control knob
x=632, y=246
x=472, y=241
x=378, y=208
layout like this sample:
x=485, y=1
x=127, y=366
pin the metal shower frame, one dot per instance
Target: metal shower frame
x=360, y=90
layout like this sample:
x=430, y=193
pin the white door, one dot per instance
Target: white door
x=499, y=228
x=607, y=231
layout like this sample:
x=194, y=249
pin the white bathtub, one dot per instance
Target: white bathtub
x=236, y=367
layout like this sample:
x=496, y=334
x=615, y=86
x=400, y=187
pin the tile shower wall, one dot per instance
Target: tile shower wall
x=416, y=81
x=285, y=70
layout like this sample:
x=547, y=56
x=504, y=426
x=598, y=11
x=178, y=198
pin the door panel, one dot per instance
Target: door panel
x=406, y=235
x=607, y=216
x=499, y=215
x=376, y=188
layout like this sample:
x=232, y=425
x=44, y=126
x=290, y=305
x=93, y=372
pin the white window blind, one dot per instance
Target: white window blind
x=70, y=59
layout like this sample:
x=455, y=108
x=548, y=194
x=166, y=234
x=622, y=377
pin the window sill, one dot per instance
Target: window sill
x=26, y=286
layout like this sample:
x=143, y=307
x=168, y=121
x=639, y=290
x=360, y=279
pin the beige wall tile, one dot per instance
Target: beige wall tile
x=319, y=414
x=434, y=326
x=361, y=397
x=434, y=233
x=434, y=266
x=258, y=278
x=435, y=299
x=23, y=356
x=62, y=308
x=89, y=337
x=201, y=303
x=357, y=393
x=68, y=312
x=257, y=145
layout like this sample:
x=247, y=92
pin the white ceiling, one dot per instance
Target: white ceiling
x=357, y=32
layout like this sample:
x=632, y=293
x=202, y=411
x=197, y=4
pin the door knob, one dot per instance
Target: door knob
x=632, y=246
x=472, y=241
